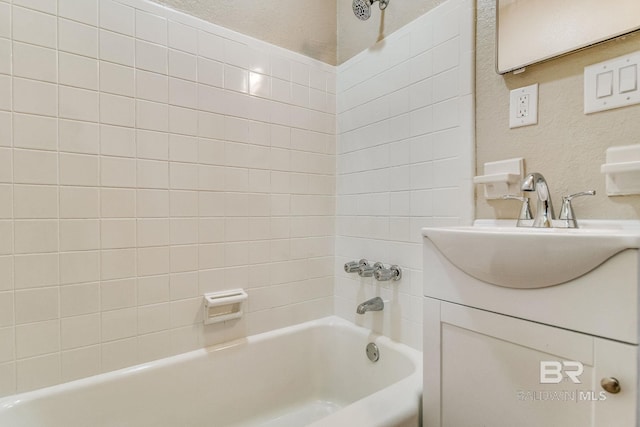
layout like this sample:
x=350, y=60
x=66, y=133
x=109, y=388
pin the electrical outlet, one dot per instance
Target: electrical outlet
x=523, y=106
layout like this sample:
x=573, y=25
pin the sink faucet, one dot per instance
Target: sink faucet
x=374, y=304
x=544, y=212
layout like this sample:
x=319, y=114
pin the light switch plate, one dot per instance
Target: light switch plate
x=612, y=84
x=523, y=106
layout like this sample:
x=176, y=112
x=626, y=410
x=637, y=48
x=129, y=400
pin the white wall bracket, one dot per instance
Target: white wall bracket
x=622, y=170
x=223, y=306
x=501, y=178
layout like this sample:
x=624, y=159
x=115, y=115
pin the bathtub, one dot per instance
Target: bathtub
x=313, y=374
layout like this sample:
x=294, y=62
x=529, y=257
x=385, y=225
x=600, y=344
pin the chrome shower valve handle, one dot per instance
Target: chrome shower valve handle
x=354, y=266
x=369, y=270
x=385, y=274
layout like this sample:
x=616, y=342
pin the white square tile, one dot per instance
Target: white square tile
x=183, y=65
x=183, y=176
x=36, y=270
x=152, y=174
x=117, y=110
x=6, y=232
x=38, y=372
x=153, y=261
x=36, y=339
x=151, y=57
x=153, y=232
x=35, y=201
x=183, y=203
x=5, y=20
x=79, y=331
x=183, y=93
x=79, y=137
x=6, y=130
x=259, y=85
x=211, y=46
x=7, y=344
x=79, y=202
x=446, y=55
x=78, y=71
x=79, y=234
x=34, y=27
x=117, y=172
x=35, y=62
x=119, y=354
x=210, y=72
x=78, y=38
x=85, y=11
x=79, y=299
x=117, y=141
x=47, y=6
x=184, y=231
x=35, y=97
x=151, y=27
x=7, y=310
x=183, y=148
x=78, y=104
x=152, y=116
x=6, y=203
x=152, y=86
x=117, y=79
x=5, y=92
x=8, y=379
x=153, y=290
x=79, y=169
x=36, y=132
x=236, y=54
x=80, y=363
x=118, y=203
x=152, y=203
x=116, y=294
x=184, y=258
x=236, y=79
x=211, y=151
x=117, y=17
x=154, y=318
x=119, y=324
x=118, y=264
x=79, y=267
x=117, y=48
x=35, y=305
x=183, y=121
x=183, y=37
x=35, y=167
x=152, y=145
x=183, y=285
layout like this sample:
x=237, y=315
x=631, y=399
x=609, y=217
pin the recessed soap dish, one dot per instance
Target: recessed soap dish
x=223, y=306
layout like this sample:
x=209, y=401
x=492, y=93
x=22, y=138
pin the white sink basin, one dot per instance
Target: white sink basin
x=523, y=258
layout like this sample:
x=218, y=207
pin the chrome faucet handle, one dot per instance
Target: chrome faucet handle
x=385, y=274
x=525, y=209
x=354, y=266
x=369, y=270
x=566, y=213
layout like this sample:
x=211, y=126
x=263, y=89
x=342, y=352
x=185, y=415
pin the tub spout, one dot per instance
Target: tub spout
x=374, y=304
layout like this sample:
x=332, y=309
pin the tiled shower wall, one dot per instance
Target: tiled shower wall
x=146, y=158
x=404, y=159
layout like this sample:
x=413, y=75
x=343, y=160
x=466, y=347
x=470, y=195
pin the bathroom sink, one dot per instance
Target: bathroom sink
x=499, y=253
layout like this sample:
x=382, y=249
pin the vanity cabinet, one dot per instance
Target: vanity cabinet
x=491, y=367
x=497, y=356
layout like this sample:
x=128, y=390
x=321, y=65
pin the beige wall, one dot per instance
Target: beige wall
x=304, y=26
x=566, y=146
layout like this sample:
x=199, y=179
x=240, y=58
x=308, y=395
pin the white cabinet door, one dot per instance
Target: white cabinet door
x=487, y=369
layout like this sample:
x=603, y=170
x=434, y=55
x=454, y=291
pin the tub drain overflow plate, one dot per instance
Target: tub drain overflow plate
x=372, y=352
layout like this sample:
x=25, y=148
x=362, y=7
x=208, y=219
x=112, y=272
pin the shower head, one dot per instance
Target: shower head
x=362, y=8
